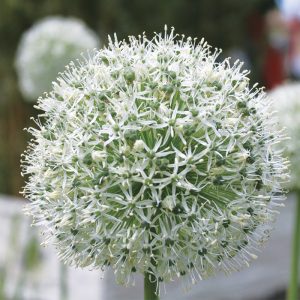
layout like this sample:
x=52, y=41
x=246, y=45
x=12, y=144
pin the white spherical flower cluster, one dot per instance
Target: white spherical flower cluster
x=46, y=48
x=286, y=103
x=152, y=156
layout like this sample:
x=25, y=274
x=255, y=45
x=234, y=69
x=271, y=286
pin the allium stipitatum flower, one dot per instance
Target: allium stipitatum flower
x=152, y=156
x=46, y=48
x=286, y=102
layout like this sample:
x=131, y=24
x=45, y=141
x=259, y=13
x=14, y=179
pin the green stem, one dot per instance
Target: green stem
x=2, y=283
x=150, y=286
x=294, y=276
x=63, y=285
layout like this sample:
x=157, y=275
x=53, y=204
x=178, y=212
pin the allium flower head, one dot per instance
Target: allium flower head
x=152, y=156
x=46, y=48
x=286, y=102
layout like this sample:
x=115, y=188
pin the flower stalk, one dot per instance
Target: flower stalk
x=151, y=288
x=294, y=276
x=63, y=285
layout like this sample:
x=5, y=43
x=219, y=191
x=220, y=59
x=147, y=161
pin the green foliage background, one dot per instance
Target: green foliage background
x=222, y=22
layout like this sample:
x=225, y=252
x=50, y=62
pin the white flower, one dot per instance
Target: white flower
x=241, y=86
x=178, y=190
x=242, y=156
x=138, y=146
x=46, y=48
x=232, y=121
x=98, y=155
x=168, y=203
x=286, y=106
x=54, y=195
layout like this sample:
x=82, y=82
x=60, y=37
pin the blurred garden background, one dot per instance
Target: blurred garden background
x=265, y=34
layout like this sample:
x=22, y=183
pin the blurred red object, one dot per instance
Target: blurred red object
x=273, y=68
x=277, y=38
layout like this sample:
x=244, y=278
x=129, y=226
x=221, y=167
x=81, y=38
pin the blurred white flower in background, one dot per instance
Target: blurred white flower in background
x=286, y=103
x=46, y=48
